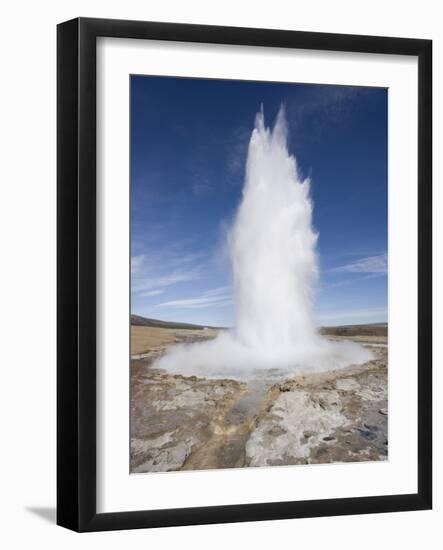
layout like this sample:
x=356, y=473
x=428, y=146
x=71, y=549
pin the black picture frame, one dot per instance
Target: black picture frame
x=76, y=280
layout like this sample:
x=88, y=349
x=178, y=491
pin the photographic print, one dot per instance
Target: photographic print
x=259, y=311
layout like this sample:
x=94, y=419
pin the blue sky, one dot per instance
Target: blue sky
x=189, y=141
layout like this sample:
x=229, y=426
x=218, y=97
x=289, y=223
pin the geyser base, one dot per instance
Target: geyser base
x=226, y=357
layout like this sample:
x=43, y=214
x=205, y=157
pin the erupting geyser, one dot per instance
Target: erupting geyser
x=273, y=248
x=273, y=253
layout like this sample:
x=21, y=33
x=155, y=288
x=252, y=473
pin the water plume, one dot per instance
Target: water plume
x=274, y=264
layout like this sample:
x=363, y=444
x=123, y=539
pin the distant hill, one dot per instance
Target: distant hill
x=374, y=329
x=138, y=320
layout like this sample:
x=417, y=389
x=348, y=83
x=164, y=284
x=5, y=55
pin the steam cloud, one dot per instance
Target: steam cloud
x=273, y=253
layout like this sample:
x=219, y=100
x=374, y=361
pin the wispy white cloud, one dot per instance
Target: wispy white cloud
x=148, y=282
x=136, y=263
x=150, y=275
x=178, y=258
x=354, y=281
x=370, y=264
x=154, y=292
x=217, y=296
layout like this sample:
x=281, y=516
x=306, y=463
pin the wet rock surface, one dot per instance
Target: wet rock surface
x=180, y=423
x=336, y=416
x=172, y=417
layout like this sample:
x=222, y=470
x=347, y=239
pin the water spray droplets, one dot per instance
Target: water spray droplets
x=274, y=264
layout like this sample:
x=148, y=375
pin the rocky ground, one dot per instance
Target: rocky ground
x=180, y=423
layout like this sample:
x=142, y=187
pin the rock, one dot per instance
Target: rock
x=180, y=422
x=171, y=416
x=367, y=434
x=347, y=384
x=370, y=427
x=276, y=431
x=301, y=412
x=161, y=454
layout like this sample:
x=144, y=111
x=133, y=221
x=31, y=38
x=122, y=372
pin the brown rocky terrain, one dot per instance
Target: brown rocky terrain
x=180, y=423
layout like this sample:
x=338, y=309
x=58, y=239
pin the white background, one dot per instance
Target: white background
x=27, y=218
